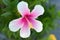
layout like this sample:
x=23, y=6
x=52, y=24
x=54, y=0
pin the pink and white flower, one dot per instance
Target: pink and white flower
x=27, y=21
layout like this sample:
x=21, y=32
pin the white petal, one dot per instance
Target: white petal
x=25, y=32
x=23, y=8
x=15, y=25
x=37, y=25
x=37, y=11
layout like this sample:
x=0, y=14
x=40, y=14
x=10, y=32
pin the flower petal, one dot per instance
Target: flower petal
x=25, y=31
x=37, y=25
x=15, y=25
x=23, y=8
x=37, y=11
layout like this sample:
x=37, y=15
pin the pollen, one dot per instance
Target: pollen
x=30, y=25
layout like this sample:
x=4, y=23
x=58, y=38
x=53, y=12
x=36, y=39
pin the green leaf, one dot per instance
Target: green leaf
x=58, y=13
x=6, y=2
x=7, y=14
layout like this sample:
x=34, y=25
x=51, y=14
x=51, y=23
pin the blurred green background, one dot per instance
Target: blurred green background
x=50, y=19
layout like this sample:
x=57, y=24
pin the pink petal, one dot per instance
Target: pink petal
x=37, y=11
x=37, y=25
x=25, y=31
x=23, y=8
x=15, y=25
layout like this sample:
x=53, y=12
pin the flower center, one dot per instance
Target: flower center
x=29, y=23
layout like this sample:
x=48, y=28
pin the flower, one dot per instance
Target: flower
x=52, y=37
x=27, y=21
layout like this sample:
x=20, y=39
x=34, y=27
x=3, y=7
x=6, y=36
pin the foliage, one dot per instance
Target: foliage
x=8, y=12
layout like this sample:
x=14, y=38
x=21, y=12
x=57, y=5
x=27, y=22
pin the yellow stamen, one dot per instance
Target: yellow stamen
x=30, y=25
